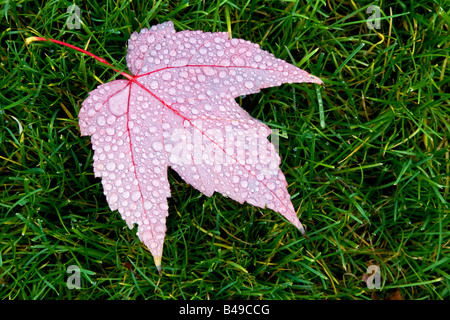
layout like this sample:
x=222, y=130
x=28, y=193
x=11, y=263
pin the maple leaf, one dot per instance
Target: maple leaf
x=179, y=110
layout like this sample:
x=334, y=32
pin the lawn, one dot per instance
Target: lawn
x=366, y=158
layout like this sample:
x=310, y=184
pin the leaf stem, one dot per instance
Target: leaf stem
x=32, y=39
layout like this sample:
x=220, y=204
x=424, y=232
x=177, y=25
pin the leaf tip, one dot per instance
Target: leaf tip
x=158, y=264
x=316, y=80
x=302, y=230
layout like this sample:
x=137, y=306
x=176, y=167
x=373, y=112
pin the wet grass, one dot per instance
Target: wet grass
x=366, y=158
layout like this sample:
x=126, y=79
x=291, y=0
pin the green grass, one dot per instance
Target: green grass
x=367, y=158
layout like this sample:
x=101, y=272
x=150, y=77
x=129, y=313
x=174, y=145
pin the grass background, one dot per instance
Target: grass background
x=367, y=158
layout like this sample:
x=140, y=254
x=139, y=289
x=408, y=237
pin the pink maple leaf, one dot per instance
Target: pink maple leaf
x=179, y=110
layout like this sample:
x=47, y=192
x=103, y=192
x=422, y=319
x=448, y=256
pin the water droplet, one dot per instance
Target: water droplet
x=157, y=145
x=168, y=147
x=154, y=84
x=148, y=205
x=225, y=62
x=249, y=84
x=110, y=166
x=239, y=61
x=136, y=195
x=223, y=74
x=118, y=103
x=138, y=63
x=201, y=78
x=208, y=71
x=166, y=76
x=150, y=38
x=113, y=198
x=234, y=42
x=156, y=183
x=173, y=158
x=111, y=119
x=101, y=121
